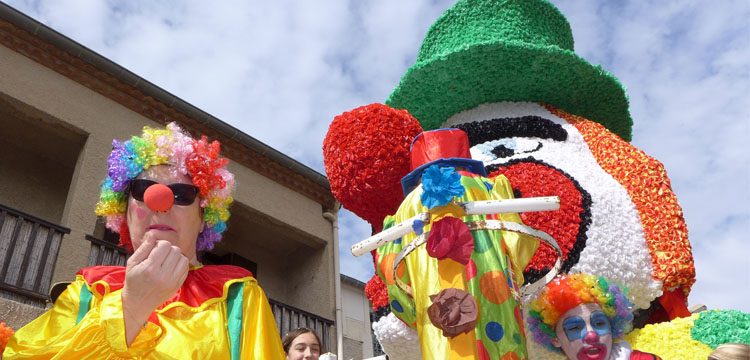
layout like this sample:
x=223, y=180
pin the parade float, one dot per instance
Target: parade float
x=543, y=122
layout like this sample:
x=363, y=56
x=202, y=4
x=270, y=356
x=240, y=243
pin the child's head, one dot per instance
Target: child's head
x=580, y=312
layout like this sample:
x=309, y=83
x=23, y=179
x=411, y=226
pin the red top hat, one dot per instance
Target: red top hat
x=445, y=147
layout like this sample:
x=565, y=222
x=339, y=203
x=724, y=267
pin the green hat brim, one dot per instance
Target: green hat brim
x=436, y=89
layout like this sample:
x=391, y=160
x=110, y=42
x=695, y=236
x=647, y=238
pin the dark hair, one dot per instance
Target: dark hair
x=288, y=339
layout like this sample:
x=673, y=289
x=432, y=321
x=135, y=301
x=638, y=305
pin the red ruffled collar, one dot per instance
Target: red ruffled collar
x=202, y=284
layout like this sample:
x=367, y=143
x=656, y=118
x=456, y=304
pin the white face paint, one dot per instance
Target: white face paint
x=615, y=244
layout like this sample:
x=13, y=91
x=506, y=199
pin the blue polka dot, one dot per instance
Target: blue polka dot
x=395, y=305
x=488, y=185
x=397, y=241
x=494, y=331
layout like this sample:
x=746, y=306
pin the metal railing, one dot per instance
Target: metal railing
x=289, y=318
x=28, y=254
x=105, y=253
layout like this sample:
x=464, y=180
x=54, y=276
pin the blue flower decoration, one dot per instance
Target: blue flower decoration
x=440, y=185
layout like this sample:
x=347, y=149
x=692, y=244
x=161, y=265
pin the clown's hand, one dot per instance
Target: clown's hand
x=154, y=272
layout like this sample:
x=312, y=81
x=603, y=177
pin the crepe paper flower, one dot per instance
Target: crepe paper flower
x=440, y=185
x=669, y=340
x=649, y=189
x=376, y=292
x=450, y=238
x=366, y=153
x=454, y=311
x=567, y=225
x=716, y=327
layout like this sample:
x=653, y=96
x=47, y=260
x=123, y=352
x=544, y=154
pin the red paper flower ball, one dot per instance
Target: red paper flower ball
x=376, y=292
x=366, y=153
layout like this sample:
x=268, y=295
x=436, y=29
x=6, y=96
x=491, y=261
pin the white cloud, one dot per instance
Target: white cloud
x=299, y=63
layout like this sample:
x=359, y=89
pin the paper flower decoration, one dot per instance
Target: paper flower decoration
x=366, y=153
x=376, y=292
x=454, y=311
x=450, y=238
x=440, y=185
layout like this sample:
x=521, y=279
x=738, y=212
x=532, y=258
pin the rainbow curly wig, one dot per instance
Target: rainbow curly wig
x=568, y=291
x=197, y=159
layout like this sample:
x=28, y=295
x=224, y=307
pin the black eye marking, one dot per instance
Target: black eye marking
x=526, y=126
x=502, y=152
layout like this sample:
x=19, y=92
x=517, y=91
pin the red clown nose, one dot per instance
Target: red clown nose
x=159, y=198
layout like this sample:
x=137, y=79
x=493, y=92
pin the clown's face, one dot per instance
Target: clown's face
x=179, y=225
x=614, y=216
x=584, y=333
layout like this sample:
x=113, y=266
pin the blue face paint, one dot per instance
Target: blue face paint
x=575, y=328
x=600, y=323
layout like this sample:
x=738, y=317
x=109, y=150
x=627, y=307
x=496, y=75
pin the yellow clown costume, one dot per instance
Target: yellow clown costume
x=220, y=312
x=455, y=278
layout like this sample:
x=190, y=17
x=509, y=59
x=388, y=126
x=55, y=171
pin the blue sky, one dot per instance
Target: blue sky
x=255, y=64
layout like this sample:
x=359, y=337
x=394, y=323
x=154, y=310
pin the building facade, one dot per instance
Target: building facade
x=60, y=107
x=357, y=339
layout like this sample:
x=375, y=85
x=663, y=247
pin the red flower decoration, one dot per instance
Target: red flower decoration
x=538, y=179
x=366, y=153
x=203, y=163
x=450, y=238
x=376, y=292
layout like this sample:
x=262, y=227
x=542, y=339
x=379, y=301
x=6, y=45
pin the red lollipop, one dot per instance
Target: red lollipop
x=366, y=153
x=159, y=198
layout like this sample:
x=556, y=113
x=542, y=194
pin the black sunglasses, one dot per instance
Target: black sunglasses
x=184, y=194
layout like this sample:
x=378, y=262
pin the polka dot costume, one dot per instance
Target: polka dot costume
x=490, y=276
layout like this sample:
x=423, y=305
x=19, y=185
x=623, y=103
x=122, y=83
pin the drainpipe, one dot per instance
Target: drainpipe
x=333, y=217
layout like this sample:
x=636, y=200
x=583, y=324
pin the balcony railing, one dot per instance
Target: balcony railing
x=289, y=318
x=105, y=253
x=28, y=253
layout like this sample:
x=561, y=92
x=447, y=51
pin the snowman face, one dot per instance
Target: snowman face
x=598, y=226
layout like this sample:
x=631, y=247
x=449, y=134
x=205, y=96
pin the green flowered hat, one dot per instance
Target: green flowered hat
x=485, y=51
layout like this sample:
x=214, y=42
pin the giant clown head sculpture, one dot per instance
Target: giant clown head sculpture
x=505, y=72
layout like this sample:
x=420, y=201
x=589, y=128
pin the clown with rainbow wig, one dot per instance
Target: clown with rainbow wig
x=168, y=196
x=197, y=159
x=582, y=315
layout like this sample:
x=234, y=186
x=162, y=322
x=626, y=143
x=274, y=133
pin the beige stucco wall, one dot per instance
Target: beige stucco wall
x=99, y=119
x=25, y=183
x=357, y=326
x=15, y=314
